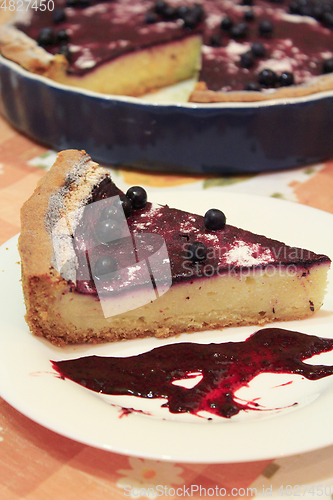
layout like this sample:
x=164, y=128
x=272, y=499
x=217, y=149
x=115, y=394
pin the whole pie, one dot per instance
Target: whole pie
x=101, y=265
x=239, y=50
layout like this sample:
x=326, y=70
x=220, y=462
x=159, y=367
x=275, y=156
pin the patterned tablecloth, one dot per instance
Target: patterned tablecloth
x=37, y=464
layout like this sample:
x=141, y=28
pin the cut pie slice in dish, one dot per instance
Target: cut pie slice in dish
x=99, y=265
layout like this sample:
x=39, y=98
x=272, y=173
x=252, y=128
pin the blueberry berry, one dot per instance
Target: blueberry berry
x=286, y=79
x=46, y=37
x=193, y=16
x=170, y=12
x=198, y=251
x=160, y=6
x=216, y=40
x=182, y=11
x=111, y=212
x=266, y=27
x=84, y=3
x=64, y=50
x=126, y=205
x=247, y=60
x=62, y=36
x=328, y=19
x=226, y=23
x=240, y=30
x=267, y=78
x=151, y=18
x=328, y=66
x=294, y=7
x=138, y=196
x=214, y=219
x=108, y=230
x=249, y=15
x=258, y=49
x=58, y=15
x=105, y=265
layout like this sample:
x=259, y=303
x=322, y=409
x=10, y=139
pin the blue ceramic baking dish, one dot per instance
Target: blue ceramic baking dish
x=224, y=138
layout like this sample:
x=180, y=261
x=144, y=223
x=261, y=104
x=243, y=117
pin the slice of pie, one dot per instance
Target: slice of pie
x=99, y=265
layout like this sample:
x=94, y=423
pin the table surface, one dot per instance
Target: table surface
x=37, y=464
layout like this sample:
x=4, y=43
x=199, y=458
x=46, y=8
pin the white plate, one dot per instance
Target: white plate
x=29, y=384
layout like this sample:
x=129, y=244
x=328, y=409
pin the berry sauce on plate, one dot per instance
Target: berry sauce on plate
x=224, y=369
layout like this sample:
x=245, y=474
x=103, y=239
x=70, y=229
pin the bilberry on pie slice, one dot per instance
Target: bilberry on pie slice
x=99, y=265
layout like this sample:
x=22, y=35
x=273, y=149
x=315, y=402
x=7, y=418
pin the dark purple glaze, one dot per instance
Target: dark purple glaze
x=294, y=46
x=225, y=368
x=229, y=250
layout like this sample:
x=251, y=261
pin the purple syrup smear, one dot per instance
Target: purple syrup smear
x=225, y=368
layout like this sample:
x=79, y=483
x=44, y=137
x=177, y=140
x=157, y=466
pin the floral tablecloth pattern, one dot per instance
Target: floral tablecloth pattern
x=37, y=464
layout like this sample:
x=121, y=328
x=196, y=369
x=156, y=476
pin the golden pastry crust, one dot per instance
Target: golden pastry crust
x=40, y=281
x=18, y=47
x=317, y=84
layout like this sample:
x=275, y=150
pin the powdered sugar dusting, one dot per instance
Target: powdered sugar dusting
x=248, y=254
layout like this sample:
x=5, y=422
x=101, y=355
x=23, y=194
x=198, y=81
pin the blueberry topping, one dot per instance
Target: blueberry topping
x=249, y=15
x=258, y=49
x=198, y=251
x=111, y=212
x=58, y=16
x=62, y=36
x=198, y=11
x=247, y=60
x=294, y=7
x=193, y=16
x=64, y=50
x=105, y=265
x=216, y=40
x=286, y=79
x=84, y=3
x=318, y=12
x=182, y=11
x=267, y=78
x=138, y=196
x=226, y=23
x=108, y=230
x=240, y=30
x=328, y=19
x=169, y=12
x=78, y=3
x=322, y=10
x=126, y=205
x=160, y=6
x=253, y=86
x=151, y=18
x=328, y=66
x=266, y=27
x=214, y=219
x=46, y=37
